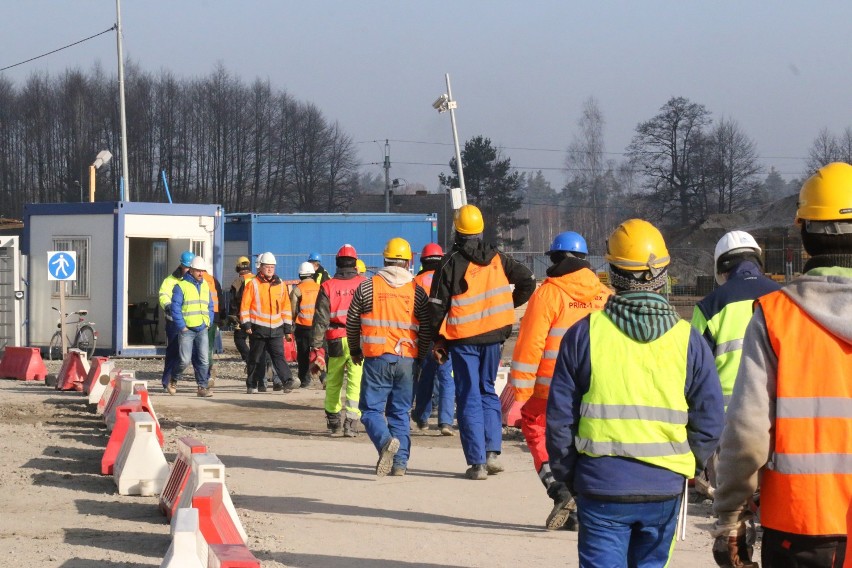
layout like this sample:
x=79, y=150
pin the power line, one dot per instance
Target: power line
x=59, y=49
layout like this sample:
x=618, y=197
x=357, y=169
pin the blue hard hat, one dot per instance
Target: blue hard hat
x=314, y=257
x=569, y=241
x=186, y=258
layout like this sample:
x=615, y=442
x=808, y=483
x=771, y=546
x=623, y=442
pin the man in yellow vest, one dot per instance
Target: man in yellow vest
x=472, y=290
x=790, y=416
x=303, y=298
x=172, y=332
x=387, y=330
x=192, y=312
x=635, y=407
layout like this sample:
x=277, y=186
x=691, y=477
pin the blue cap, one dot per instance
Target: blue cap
x=569, y=241
x=186, y=258
x=314, y=257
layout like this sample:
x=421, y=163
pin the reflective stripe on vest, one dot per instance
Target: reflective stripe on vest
x=636, y=406
x=391, y=326
x=165, y=299
x=485, y=306
x=424, y=280
x=309, y=290
x=211, y=283
x=268, y=305
x=339, y=293
x=196, y=303
x=807, y=484
x=728, y=329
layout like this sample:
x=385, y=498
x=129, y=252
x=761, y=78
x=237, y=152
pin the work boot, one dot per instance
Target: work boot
x=211, y=380
x=171, y=389
x=251, y=390
x=397, y=471
x=291, y=385
x=492, y=466
x=204, y=393
x=306, y=383
x=262, y=388
x=350, y=428
x=563, y=506
x=573, y=523
x=332, y=421
x=476, y=472
x=446, y=430
x=277, y=387
x=422, y=425
x=385, y=463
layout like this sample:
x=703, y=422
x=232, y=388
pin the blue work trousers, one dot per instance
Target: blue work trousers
x=386, y=387
x=636, y=535
x=172, y=351
x=478, y=406
x=446, y=392
x=195, y=349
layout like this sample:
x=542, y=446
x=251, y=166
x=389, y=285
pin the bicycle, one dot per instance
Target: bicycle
x=85, y=336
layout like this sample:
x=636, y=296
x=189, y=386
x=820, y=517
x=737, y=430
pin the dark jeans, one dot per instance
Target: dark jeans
x=172, y=351
x=303, y=350
x=259, y=347
x=785, y=550
x=241, y=343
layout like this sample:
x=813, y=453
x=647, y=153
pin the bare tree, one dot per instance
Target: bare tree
x=733, y=165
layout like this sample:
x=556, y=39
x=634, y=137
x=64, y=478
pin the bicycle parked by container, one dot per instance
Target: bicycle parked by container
x=85, y=336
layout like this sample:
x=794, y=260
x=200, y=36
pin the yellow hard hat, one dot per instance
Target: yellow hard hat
x=468, y=220
x=360, y=266
x=397, y=248
x=243, y=262
x=827, y=195
x=637, y=245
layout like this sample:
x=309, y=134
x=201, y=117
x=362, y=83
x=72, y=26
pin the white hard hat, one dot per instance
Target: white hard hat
x=267, y=258
x=198, y=264
x=732, y=242
x=306, y=269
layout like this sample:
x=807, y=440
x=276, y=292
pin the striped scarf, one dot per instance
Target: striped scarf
x=642, y=316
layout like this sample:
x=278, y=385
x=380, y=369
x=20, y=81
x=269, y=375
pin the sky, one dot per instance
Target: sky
x=520, y=71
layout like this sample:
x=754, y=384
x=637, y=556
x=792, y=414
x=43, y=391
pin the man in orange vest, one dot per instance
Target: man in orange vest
x=329, y=325
x=569, y=293
x=472, y=290
x=267, y=318
x=790, y=415
x=303, y=298
x=387, y=330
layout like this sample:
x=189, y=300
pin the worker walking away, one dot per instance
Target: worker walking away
x=303, y=298
x=425, y=385
x=788, y=422
x=320, y=273
x=220, y=309
x=192, y=312
x=472, y=290
x=267, y=318
x=172, y=331
x=244, y=274
x=570, y=292
x=329, y=324
x=723, y=315
x=634, y=409
x=360, y=267
x=387, y=331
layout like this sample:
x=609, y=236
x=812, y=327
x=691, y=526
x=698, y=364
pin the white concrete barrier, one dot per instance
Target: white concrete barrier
x=188, y=548
x=141, y=468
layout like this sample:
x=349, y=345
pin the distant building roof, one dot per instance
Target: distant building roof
x=418, y=203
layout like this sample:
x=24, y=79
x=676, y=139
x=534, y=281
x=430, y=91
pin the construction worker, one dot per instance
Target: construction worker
x=570, y=292
x=430, y=260
x=192, y=312
x=471, y=289
x=244, y=274
x=320, y=273
x=360, y=267
x=788, y=421
x=172, y=332
x=220, y=309
x=723, y=315
x=329, y=325
x=387, y=331
x=634, y=406
x=266, y=316
x=303, y=298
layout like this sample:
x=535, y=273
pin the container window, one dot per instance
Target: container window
x=80, y=287
x=159, y=258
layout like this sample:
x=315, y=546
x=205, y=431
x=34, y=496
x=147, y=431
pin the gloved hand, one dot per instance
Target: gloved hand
x=733, y=548
x=416, y=369
x=357, y=357
x=439, y=350
x=317, y=360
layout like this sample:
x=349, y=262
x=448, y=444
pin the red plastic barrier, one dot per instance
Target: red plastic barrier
x=289, y=351
x=170, y=497
x=107, y=395
x=23, y=363
x=73, y=373
x=214, y=519
x=231, y=556
x=148, y=407
x=119, y=432
x=511, y=409
x=95, y=366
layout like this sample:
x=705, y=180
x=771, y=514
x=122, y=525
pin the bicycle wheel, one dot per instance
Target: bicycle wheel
x=86, y=340
x=54, y=351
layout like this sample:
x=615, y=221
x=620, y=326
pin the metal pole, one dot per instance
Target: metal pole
x=62, y=317
x=124, y=170
x=387, y=176
x=456, y=141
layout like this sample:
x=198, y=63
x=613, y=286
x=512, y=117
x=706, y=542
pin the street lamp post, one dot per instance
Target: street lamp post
x=102, y=158
x=443, y=104
x=121, y=107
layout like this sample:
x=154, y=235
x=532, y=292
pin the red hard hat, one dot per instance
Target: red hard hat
x=432, y=249
x=347, y=250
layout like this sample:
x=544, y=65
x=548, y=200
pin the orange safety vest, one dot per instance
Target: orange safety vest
x=391, y=326
x=486, y=305
x=424, y=280
x=309, y=290
x=340, y=293
x=266, y=304
x=554, y=307
x=806, y=486
x=211, y=282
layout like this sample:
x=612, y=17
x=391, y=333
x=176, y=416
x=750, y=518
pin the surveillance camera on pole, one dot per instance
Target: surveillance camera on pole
x=443, y=104
x=102, y=158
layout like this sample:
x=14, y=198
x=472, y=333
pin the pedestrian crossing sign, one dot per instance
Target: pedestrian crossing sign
x=62, y=265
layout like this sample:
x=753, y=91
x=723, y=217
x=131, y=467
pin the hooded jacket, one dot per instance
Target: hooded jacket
x=449, y=281
x=824, y=294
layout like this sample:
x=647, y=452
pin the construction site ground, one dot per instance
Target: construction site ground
x=305, y=499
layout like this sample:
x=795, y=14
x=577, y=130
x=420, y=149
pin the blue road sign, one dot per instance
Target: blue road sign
x=62, y=265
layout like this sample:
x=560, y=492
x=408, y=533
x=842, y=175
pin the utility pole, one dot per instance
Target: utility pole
x=387, y=176
x=123, y=117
